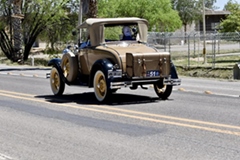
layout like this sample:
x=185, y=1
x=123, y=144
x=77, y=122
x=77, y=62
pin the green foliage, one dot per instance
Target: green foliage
x=232, y=22
x=107, y=8
x=208, y=4
x=159, y=13
x=112, y=33
x=60, y=31
x=49, y=18
x=3, y=10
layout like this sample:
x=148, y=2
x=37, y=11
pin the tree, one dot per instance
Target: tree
x=229, y=5
x=208, y=4
x=191, y=10
x=38, y=15
x=11, y=14
x=187, y=10
x=232, y=22
x=17, y=28
x=159, y=13
x=92, y=11
x=59, y=32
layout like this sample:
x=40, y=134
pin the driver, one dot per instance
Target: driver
x=127, y=33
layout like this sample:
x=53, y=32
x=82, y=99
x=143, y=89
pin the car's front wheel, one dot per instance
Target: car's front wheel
x=101, y=90
x=57, y=85
x=163, y=91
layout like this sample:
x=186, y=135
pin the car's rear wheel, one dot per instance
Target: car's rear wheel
x=101, y=90
x=163, y=91
x=57, y=85
x=69, y=66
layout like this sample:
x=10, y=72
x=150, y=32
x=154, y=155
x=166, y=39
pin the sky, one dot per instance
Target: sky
x=221, y=3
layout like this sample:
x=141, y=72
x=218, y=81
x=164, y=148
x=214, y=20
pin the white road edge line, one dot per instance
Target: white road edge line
x=4, y=157
x=23, y=75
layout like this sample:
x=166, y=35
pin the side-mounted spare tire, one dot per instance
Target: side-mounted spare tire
x=69, y=66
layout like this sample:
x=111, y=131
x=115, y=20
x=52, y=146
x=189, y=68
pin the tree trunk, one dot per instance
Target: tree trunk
x=185, y=31
x=6, y=44
x=92, y=12
x=17, y=30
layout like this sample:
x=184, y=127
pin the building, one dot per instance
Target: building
x=212, y=20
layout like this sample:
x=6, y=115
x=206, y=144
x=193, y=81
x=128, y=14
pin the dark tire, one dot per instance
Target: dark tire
x=69, y=66
x=114, y=90
x=163, y=91
x=57, y=85
x=134, y=87
x=101, y=90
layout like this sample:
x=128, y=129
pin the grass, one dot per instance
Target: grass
x=221, y=67
x=206, y=72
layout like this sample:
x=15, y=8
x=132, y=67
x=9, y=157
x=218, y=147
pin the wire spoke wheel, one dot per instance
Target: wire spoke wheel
x=57, y=85
x=101, y=90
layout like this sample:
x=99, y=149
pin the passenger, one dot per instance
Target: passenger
x=86, y=43
x=127, y=33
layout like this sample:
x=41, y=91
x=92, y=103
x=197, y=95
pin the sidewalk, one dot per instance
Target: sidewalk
x=24, y=70
x=4, y=67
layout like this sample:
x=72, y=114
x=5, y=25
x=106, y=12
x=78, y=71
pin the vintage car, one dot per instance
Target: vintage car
x=116, y=55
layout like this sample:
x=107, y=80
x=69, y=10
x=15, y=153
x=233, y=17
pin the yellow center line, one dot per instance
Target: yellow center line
x=146, y=114
x=134, y=116
x=168, y=117
x=17, y=93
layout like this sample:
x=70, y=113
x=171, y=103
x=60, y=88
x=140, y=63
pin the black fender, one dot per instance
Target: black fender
x=103, y=65
x=174, y=74
x=56, y=62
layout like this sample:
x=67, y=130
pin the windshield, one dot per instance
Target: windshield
x=126, y=32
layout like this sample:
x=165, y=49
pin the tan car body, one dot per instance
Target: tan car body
x=118, y=51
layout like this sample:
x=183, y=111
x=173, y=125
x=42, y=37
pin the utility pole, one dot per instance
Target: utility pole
x=80, y=19
x=204, y=34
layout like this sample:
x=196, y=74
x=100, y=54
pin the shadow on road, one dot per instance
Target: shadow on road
x=89, y=98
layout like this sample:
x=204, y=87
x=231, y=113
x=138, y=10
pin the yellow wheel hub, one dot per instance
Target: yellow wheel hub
x=55, y=81
x=101, y=85
x=161, y=90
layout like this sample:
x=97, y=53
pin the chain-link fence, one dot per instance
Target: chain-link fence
x=189, y=46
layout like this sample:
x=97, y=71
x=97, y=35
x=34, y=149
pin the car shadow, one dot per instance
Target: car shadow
x=89, y=98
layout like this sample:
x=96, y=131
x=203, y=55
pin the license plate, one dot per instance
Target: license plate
x=153, y=73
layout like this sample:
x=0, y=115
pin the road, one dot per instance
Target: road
x=199, y=121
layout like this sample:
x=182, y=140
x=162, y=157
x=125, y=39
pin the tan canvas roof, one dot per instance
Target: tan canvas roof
x=95, y=27
x=92, y=21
